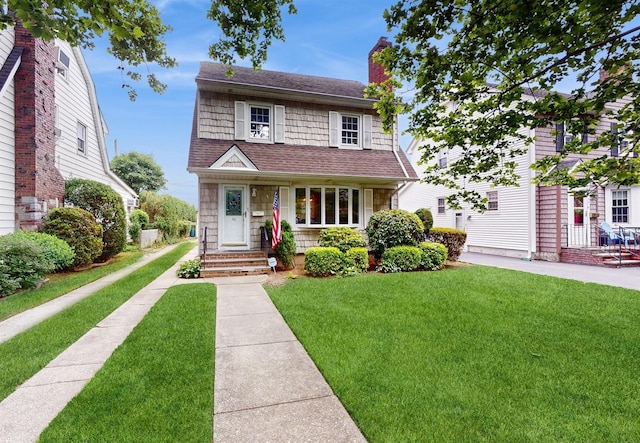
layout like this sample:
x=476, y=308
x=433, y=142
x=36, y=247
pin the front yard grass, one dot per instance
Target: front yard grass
x=27, y=353
x=474, y=354
x=157, y=386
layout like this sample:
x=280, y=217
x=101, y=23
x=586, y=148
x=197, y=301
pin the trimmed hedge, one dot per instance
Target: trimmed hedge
x=55, y=250
x=108, y=209
x=79, y=229
x=452, y=239
x=356, y=261
x=434, y=256
x=401, y=259
x=394, y=227
x=23, y=264
x=342, y=238
x=323, y=261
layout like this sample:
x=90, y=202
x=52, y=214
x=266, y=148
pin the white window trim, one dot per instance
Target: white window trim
x=323, y=224
x=365, y=130
x=84, y=139
x=444, y=205
x=495, y=200
x=242, y=120
x=63, y=63
x=628, y=206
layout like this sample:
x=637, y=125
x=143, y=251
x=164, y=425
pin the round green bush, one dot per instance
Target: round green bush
x=55, y=250
x=400, y=259
x=452, y=239
x=322, y=262
x=394, y=227
x=434, y=256
x=140, y=217
x=426, y=217
x=23, y=264
x=342, y=238
x=106, y=206
x=356, y=261
x=79, y=229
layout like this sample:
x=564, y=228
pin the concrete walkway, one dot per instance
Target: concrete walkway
x=622, y=277
x=267, y=389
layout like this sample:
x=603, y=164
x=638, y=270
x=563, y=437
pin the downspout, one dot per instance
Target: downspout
x=531, y=230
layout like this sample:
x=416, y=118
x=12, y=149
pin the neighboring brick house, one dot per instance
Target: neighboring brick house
x=532, y=221
x=51, y=128
x=316, y=140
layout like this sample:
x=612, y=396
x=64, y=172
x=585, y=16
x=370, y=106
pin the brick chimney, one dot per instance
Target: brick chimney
x=376, y=71
x=38, y=183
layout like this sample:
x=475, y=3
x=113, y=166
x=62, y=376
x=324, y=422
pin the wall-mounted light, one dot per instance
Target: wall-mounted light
x=254, y=192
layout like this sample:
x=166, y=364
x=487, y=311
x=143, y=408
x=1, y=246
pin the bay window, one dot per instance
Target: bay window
x=327, y=206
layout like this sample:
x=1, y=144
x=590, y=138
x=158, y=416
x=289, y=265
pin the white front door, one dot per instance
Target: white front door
x=579, y=228
x=233, y=217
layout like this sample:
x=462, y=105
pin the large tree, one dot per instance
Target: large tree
x=469, y=64
x=139, y=171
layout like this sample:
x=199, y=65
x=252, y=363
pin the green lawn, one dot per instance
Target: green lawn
x=27, y=353
x=157, y=386
x=474, y=354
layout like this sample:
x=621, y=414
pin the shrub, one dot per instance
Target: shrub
x=140, y=217
x=323, y=261
x=134, y=232
x=394, y=227
x=79, y=229
x=106, y=206
x=356, y=261
x=189, y=269
x=56, y=251
x=426, y=217
x=22, y=265
x=286, y=248
x=453, y=239
x=434, y=255
x=400, y=259
x=168, y=214
x=342, y=238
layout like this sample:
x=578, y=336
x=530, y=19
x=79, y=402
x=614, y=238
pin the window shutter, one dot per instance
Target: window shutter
x=368, y=205
x=559, y=136
x=334, y=129
x=279, y=128
x=367, y=123
x=616, y=143
x=240, y=133
x=284, y=202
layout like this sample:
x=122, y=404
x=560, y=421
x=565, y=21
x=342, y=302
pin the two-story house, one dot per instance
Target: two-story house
x=316, y=140
x=533, y=221
x=51, y=128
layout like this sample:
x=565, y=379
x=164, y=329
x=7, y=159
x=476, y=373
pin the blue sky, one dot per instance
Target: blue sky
x=329, y=38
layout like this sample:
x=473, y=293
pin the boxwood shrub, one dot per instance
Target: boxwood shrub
x=323, y=261
x=342, y=238
x=453, y=239
x=401, y=259
x=394, y=227
x=79, y=229
x=23, y=264
x=426, y=217
x=356, y=261
x=434, y=256
x=286, y=249
x=55, y=250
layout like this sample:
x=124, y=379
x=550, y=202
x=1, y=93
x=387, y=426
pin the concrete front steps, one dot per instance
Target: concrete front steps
x=233, y=263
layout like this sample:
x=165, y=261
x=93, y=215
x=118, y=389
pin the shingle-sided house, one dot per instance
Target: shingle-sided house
x=51, y=128
x=316, y=140
x=533, y=221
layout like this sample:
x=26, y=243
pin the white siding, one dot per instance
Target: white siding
x=7, y=143
x=76, y=101
x=507, y=231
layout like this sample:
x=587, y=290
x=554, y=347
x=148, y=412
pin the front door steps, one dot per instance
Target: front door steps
x=233, y=263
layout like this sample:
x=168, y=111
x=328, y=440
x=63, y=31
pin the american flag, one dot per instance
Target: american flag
x=276, y=233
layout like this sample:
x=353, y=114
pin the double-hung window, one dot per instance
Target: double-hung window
x=327, y=206
x=492, y=200
x=82, y=139
x=620, y=206
x=259, y=122
x=441, y=205
x=350, y=131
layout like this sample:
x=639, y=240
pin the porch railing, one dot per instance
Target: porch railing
x=591, y=235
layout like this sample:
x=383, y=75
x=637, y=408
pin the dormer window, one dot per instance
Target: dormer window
x=259, y=122
x=350, y=131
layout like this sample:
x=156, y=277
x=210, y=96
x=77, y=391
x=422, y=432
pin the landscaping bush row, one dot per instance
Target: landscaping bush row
x=427, y=256
x=323, y=261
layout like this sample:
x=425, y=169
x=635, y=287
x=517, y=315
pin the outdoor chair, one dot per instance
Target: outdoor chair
x=616, y=237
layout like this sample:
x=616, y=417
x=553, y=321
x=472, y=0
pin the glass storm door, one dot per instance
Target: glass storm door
x=234, y=215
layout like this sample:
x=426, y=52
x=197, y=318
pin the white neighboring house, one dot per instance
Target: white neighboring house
x=51, y=129
x=533, y=221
